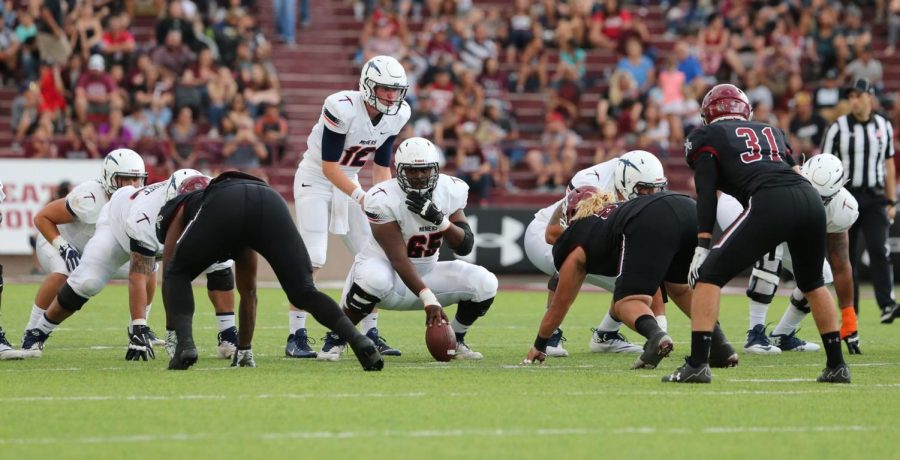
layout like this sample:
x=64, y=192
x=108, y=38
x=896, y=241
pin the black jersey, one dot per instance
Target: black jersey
x=191, y=203
x=600, y=235
x=750, y=156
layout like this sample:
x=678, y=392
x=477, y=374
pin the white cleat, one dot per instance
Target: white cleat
x=464, y=352
x=612, y=342
x=757, y=342
x=243, y=358
x=225, y=349
x=9, y=353
x=332, y=347
x=555, y=345
x=790, y=342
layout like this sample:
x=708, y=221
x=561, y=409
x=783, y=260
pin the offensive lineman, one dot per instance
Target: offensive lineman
x=355, y=126
x=6, y=349
x=398, y=269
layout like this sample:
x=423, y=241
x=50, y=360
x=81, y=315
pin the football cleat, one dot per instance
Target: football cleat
x=6, y=350
x=154, y=340
x=655, y=349
x=888, y=313
x=612, y=342
x=758, y=343
x=242, y=358
x=790, y=342
x=555, y=345
x=840, y=374
x=464, y=352
x=380, y=344
x=228, y=340
x=366, y=353
x=171, y=343
x=33, y=343
x=689, y=374
x=185, y=355
x=723, y=356
x=298, y=345
x=332, y=347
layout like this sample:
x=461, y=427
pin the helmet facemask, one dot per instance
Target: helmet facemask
x=372, y=98
x=423, y=184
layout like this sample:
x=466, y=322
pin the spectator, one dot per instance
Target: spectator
x=117, y=42
x=497, y=135
x=471, y=164
x=689, y=65
x=714, y=41
x=441, y=91
x=87, y=32
x=477, y=49
x=522, y=30
x=828, y=96
x=672, y=84
x=640, y=67
x=653, y=130
x=263, y=89
x=468, y=104
x=608, y=24
x=26, y=34
x=113, y=134
x=227, y=38
x=857, y=35
x=495, y=82
x=25, y=112
x=806, y=127
x=272, y=128
x=571, y=55
x=758, y=93
x=238, y=115
x=42, y=145
x=221, y=88
x=384, y=42
x=51, y=38
x=556, y=159
x=440, y=47
x=95, y=93
x=175, y=20
x=611, y=144
x=285, y=21
x=76, y=147
x=183, y=134
x=173, y=57
x=532, y=65
x=244, y=150
x=866, y=66
x=139, y=125
x=828, y=47
x=565, y=95
x=893, y=27
x=53, y=104
x=9, y=52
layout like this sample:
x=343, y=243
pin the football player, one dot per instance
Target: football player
x=622, y=240
x=752, y=162
x=6, y=349
x=241, y=215
x=125, y=233
x=354, y=128
x=826, y=174
x=398, y=269
x=623, y=177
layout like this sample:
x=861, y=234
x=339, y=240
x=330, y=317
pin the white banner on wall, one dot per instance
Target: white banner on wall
x=29, y=185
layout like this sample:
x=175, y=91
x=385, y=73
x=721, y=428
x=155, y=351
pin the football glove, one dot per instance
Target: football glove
x=68, y=253
x=139, y=347
x=852, y=342
x=424, y=207
x=699, y=257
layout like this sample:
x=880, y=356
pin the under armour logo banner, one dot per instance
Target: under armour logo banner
x=499, y=240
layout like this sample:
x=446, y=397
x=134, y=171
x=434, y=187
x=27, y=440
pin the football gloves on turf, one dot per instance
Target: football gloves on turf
x=70, y=255
x=852, y=342
x=424, y=207
x=139, y=347
x=700, y=255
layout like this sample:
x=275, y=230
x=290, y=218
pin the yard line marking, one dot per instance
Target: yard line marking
x=770, y=380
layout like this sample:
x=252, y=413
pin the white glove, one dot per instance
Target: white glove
x=699, y=257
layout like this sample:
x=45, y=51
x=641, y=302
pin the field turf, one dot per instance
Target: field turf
x=83, y=400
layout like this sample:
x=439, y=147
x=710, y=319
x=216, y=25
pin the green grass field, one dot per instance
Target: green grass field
x=83, y=400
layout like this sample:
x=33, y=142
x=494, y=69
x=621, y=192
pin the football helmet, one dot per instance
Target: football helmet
x=178, y=177
x=826, y=174
x=413, y=154
x=638, y=169
x=192, y=183
x=573, y=197
x=725, y=102
x=383, y=71
x=121, y=163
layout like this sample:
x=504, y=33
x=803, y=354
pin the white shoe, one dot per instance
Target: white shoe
x=332, y=347
x=464, y=352
x=227, y=343
x=790, y=342
x=557, y=350
x=612, y=342
x=758, y=343
x=7, y=353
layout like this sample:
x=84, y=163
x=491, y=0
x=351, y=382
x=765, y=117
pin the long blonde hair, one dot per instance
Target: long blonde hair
x=593, y=205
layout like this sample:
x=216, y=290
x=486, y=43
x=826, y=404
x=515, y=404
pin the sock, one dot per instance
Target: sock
x=225, y=320
x=758, y=312
x=370, y=321
x=147, y=312
x=663, y=323
x=647, y=326
x=136, y=322
x=459, y=329
x=790, y=321
x=296, y=320
x=609, y=324
x=45, y=325
x=832, y=343
x=36, y=314
x=701, y=343
x=848, y=321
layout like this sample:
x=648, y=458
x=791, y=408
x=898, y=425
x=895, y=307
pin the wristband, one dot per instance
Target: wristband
x=59, y=242
x=891, y=202
x=444, y=225
x=703, y=242
x=540, y=343
x=428, y=297
x=358, y=194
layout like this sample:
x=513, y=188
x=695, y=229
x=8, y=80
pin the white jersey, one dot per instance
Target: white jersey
x=601, y=175
x=841, y=212
x=386, y=202
x=133, y=214
x=345, y=113
x=84, y=202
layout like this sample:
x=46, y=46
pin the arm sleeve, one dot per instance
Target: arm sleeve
x=705, y=178
x=383, y=154
x=332, y=145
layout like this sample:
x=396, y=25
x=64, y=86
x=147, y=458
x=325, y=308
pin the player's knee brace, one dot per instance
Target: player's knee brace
x=359, y=300
x=553, y=283
x=70, y=300
x=798, y=301
x=764, y=279
x=220, y=280
x=468, y=242
x=468, y=311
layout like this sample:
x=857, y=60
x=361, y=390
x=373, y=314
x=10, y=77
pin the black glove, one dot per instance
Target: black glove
x=424, y=207
x=852, y=342
x=70, y=255
x=139, y=347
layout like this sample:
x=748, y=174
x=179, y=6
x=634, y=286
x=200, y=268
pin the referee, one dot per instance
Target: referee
x=864, y=141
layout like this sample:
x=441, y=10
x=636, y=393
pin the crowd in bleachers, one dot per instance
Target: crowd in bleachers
x=198, y=90
x=465, y=58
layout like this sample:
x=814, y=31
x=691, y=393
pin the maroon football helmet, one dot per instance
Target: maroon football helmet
x=192, y=183
x=725, y=101
x=575, y=196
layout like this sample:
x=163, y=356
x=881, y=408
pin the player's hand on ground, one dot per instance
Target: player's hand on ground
x=70, y=255
x=535, y=356
x=700, y=255
x=424, y=207
x=852, y=342
x=435, y=316
x=139, y=347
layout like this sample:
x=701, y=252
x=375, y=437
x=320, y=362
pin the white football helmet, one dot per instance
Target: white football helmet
x=826, y=174
x=417, y=153
x=122, y=163
x=638, y=169
x=383, y=71
x=177, y=178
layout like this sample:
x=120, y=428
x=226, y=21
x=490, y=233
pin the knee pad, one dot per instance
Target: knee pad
x=89, y=287
x=800, y=304
x=220, y=280
x=553, y=283
x=764, y=279
x=359, y=300
x=468, y=311
x=68, y=299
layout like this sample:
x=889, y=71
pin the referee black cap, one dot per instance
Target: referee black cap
x=862, y=85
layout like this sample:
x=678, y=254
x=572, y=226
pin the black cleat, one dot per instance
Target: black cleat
x=840, y=374
x=366, y=353
x=888, y=313
x=723, y=356
x=689, y=374
x=185, y=355
x=657, y=347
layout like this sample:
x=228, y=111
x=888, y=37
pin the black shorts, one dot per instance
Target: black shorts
x=792, y=214
x=657, y=246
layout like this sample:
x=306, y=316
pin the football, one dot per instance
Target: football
x=441, y=342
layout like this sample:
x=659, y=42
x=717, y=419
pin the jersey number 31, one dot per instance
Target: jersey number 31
x=751, y=139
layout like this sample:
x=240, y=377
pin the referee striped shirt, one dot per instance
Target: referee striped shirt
x=862, y=147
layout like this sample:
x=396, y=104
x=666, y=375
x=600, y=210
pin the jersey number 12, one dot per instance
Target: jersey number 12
x=356, y=156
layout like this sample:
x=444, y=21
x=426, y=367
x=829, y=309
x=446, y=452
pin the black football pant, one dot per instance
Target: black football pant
x=872, y=224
